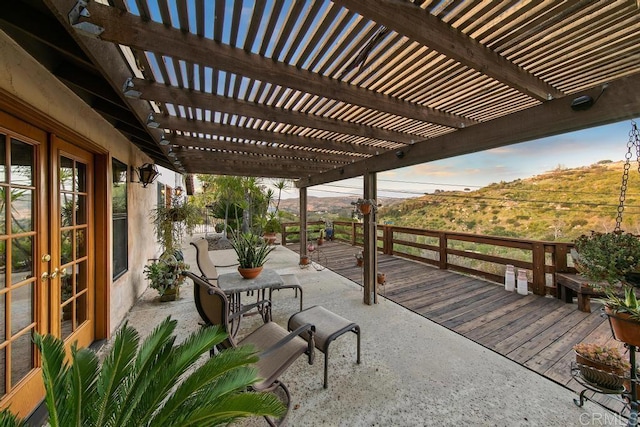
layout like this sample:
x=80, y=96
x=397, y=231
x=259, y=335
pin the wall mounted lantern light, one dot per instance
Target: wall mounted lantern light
x=146, y=173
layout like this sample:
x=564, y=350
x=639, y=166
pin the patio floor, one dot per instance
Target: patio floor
x=413, y=371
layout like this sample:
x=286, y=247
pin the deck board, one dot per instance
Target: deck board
x=534, y=331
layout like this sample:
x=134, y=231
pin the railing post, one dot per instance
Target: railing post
x=283, y=231
x=560, y=257
x=539, y=277
x=443, y=251
x=387, y=240
x=353, y=233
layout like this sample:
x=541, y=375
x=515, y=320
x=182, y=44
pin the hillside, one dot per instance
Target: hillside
x=557, y=206
x=328, y=207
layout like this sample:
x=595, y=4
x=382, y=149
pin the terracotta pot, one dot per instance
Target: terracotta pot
x=270, y=238
x=250, y=273
x=624, y=328
x=320, y=242
x=304, y=260
x=359, y=262
x=365, y=208
x=600, y=374
x=382, y=278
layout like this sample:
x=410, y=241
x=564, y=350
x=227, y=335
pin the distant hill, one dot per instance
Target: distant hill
x=328, y=207
x=555, y=206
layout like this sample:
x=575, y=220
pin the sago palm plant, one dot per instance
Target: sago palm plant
x=153, y=384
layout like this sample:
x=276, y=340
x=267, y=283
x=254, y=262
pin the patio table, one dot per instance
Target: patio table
x=233, y=284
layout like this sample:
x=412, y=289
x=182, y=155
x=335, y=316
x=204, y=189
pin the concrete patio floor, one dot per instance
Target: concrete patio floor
x=413, y=371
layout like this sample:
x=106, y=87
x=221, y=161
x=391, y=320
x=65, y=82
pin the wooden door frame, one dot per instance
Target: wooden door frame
x=12, y=106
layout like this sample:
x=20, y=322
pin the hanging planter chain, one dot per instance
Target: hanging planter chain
x=634, y=141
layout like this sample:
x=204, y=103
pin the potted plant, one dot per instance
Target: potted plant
x=172, y=222
x=360, y=259
x=271, y=227
x=609, y=259
x=603, y=366
x=321, y=237
x=252, y=254
x=165, y=276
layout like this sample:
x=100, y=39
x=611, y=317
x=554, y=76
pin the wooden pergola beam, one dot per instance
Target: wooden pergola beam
x=257, y=161
x=418, y=24
x=170, y=94
x=619, y=101
x=130, y=30
x=229, y=131
x=246, y=147
x=273, y=170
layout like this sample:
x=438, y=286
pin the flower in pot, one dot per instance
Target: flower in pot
x=603, y=366
x=165, y=276
x=608, y=259
x=360, y=259
x=252, y=254
x=321, y=237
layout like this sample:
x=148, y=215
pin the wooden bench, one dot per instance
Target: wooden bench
x=573, y=285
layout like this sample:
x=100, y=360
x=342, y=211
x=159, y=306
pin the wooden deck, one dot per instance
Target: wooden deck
x=534, y=331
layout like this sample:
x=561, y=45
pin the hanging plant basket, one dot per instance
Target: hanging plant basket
x=365, y=208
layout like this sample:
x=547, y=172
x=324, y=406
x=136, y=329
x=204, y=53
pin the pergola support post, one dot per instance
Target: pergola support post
x=370, y=242
x=303, y=222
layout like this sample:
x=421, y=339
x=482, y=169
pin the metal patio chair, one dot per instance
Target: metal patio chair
x=277, y=348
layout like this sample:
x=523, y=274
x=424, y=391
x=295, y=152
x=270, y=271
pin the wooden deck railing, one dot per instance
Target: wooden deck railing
x=474, y=254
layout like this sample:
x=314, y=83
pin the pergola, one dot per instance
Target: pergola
x=319, y=91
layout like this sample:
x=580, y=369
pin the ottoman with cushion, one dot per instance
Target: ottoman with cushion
x=328, y=326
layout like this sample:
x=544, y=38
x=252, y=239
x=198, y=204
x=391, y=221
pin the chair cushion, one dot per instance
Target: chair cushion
x=275, y=363
x=328, y=324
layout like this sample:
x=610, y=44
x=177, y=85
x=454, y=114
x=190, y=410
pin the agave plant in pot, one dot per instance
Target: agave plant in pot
x=252, y=254
x=610, y=260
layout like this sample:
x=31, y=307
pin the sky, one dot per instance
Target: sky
x=472, y=171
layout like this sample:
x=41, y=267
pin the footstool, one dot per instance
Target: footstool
x=329, y=326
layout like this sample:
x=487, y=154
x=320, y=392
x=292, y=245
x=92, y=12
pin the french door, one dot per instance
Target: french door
x=71, y=267
x=46, y=254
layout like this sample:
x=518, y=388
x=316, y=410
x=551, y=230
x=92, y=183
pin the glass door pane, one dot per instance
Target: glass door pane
x=73, y=227
x=18, y=281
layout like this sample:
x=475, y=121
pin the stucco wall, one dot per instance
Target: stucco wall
x=23, y=77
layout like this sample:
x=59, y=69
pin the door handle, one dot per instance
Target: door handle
x=46, y=276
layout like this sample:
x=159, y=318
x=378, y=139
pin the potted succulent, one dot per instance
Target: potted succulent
x=252, y=254
x=321, y=237
x=603, y=366
x=271, y=227
x=165, y=276
x=610, y=259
